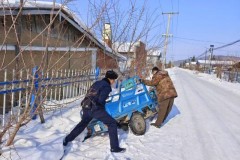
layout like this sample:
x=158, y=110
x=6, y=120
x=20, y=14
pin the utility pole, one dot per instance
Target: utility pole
x=172, y=58
x=211, y=54
x=166, y=36
x=205, y=61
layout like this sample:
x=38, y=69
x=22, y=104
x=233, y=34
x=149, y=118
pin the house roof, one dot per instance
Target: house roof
x=123, y=47
x=215, y=62
x=10, y=7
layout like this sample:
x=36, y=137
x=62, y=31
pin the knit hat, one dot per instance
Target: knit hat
x=155, y=69
x=111, y=74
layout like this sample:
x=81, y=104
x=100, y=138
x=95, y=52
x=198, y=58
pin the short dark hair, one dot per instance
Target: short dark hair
x=155, y=69
x=111, y=74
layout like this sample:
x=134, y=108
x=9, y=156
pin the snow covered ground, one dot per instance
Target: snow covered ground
x=203, y=125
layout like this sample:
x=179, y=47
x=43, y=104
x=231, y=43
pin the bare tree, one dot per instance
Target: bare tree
x=129, y=25
x=51, y=32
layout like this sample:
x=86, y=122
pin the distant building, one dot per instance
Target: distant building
x=154, y=58
x=136, y=55
x=215, y=62
x=207, y=64
x=191, y=63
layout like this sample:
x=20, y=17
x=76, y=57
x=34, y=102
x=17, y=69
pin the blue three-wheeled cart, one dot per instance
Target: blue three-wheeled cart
x=132, y=105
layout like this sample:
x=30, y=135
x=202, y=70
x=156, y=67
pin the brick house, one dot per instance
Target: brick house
x=49, y=35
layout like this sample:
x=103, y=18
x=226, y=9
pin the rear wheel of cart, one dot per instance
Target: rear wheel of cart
x=137, y=124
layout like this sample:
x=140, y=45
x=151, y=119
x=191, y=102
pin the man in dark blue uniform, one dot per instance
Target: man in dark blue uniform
x=93, y=106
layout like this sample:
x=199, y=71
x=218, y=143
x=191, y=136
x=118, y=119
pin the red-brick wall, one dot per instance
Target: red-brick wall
x=141, y=58
x=106, y=62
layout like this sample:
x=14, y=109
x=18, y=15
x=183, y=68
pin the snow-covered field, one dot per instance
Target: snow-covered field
x=203, y=125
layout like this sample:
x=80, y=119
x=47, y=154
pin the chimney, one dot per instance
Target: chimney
x=107, y=34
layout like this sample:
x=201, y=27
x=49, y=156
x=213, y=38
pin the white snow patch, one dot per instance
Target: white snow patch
x=233, y=87
x=203, y=124
x=25, y=143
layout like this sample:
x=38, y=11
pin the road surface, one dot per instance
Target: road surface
x=209, y=119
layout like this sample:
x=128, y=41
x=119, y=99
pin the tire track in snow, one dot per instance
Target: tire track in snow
x=202, y=129
x=193, y=130
x=226, y=116
x=213, y=116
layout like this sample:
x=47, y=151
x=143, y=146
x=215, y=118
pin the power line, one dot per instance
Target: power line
x=176, y=25
x=172, y=4
x=202, y=54
x=177, y=19
x=172, y=45
x=224, y=46
x=197, y=40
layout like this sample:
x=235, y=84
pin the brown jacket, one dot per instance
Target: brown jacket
x=164, y=85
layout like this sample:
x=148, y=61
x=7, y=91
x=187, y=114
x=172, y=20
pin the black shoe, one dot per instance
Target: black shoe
x=154, y=124
x=65, y=143
x=118, y=150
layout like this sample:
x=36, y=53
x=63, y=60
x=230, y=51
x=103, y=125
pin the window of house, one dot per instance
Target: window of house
x=28, y=22
x=39, y=23
x=2, y=21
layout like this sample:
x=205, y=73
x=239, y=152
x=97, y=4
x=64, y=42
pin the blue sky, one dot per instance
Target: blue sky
x=199, y=24
x=213, y=20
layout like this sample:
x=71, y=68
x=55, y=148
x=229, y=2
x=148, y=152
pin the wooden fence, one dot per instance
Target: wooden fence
x=52, y=90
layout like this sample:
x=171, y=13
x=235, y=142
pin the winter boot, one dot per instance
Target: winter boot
x=154, y=124
x=65, y=143
x=118, y=150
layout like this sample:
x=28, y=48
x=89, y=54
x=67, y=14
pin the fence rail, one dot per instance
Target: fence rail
x=231, y=76
x=53, y=89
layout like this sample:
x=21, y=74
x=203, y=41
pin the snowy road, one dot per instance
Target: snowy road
x=210, y=117
x=204, y=124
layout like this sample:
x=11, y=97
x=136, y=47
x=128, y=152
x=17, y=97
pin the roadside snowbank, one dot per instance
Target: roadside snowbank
x=233, y=87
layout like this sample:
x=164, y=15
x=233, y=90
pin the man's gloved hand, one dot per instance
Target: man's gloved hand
x=140, y=80
x=151, y=89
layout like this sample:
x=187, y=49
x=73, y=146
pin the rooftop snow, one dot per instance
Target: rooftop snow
x=216, y=62
x=49, y=5
x=123, y=46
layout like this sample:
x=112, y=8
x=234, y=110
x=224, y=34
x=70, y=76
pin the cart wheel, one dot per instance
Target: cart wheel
x=137, y=124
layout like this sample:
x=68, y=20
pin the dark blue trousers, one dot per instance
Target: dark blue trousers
x=100, y=115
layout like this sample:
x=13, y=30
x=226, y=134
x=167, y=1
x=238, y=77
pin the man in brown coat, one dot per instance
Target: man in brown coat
x=165, y=92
